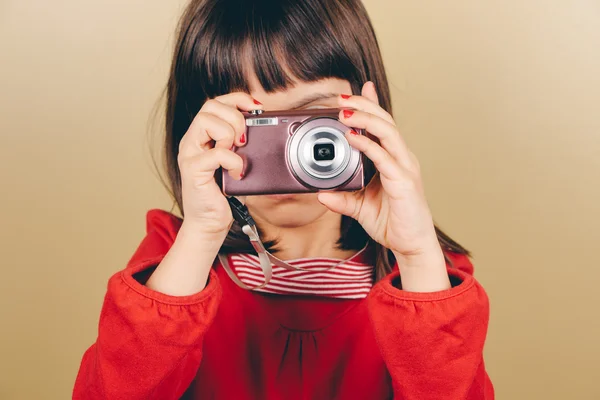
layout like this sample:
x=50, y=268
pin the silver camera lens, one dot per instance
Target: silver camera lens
x=319, y=155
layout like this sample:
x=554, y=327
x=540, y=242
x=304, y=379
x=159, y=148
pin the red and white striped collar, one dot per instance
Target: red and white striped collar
x=352, y=279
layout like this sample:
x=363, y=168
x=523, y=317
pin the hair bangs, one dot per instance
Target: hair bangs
x=279, y=42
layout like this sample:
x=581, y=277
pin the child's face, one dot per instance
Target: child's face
x=295, y=210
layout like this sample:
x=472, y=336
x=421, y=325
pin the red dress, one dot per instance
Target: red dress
x=229, y=343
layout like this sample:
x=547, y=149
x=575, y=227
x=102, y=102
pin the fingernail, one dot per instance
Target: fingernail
x=353, y=132
x=345, y=96
x=242, y=175
x=258, y=103
x=243, y=138
x=348, y=113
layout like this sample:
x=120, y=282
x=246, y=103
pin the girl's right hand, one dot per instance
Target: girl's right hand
x=206, y=146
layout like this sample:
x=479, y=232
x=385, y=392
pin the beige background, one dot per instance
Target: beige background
x=499, y=99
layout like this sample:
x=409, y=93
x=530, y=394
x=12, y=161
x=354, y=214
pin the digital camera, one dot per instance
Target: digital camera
x=297, y=151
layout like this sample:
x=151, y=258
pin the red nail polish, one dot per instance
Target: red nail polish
x=242, y=175
x=258, y=103
x=345, y=96
x=243, y=138
x=353, y=132
x=348, y=113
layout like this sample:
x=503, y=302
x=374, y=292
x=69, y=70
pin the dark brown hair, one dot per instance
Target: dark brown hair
x=306, y=40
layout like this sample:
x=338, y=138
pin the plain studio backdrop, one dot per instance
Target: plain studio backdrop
x=500, y=100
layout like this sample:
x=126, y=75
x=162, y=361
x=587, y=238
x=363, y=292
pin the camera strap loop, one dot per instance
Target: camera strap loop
x=243, y=217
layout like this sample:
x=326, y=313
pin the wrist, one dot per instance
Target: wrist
x=423, y=272
x=433, y=258
x=195, y=244
x=185, y=268
x=194, y=232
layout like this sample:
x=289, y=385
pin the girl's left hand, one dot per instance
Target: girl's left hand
x=392, y=208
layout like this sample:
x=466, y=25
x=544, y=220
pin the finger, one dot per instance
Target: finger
x=365, y=104
x=204, y=129
x=345, y=203
x=208, y=162
x=387, y=133
x=370, y=92
x=384, y=163
x=230, y=115
x=240, y=100
x=368, y=102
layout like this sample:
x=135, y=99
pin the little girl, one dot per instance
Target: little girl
x=384, y=305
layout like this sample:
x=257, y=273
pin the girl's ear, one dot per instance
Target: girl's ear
x=369, y=92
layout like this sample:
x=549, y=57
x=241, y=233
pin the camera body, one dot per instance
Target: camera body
x=297, y=151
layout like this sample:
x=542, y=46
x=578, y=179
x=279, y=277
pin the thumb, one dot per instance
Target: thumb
x=370, y=92
x=346, y=203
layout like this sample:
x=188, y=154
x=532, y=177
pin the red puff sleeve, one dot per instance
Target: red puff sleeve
x=149, y=344
x=432, y=343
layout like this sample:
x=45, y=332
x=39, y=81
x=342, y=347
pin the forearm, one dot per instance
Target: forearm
x=185, y=268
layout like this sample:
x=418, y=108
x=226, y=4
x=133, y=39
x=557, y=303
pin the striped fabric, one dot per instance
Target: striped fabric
x=352, y=279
